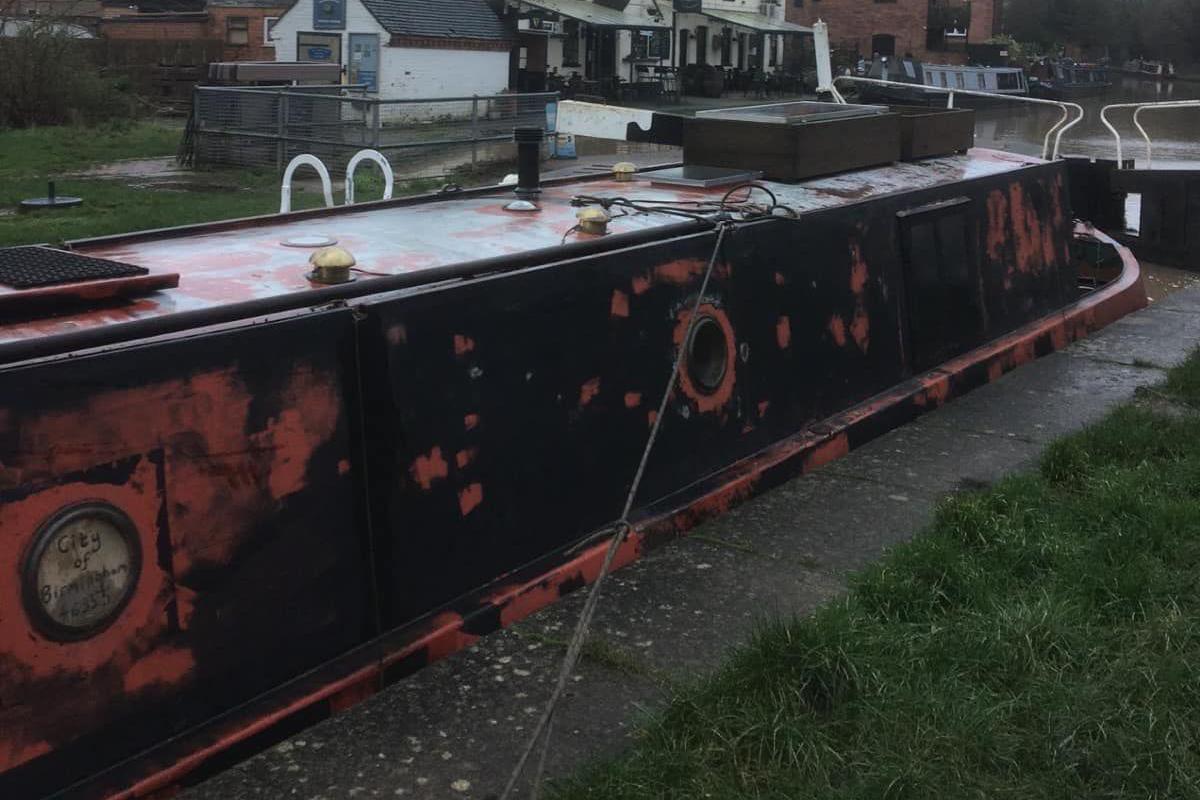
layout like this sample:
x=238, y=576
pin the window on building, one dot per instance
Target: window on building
x=237, y=30
x=771, y=51
x=727, y=47
x=701, y=44
x=570, y=43
x=884, y=44
x=268, y=26
x=651, y=44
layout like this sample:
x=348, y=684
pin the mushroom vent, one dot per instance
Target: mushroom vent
x=33, y=267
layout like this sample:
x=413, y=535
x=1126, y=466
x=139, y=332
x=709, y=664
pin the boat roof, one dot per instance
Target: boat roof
x=229, y=263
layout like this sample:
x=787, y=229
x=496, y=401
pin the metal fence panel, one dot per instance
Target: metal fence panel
x=259, y=127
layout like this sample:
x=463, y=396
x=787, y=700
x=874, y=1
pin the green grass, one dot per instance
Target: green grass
x=29, y=158
x=1040, y=640
x=53, y=151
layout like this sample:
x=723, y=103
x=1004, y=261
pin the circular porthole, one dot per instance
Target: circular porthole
x=707, y=355
x=81, y=571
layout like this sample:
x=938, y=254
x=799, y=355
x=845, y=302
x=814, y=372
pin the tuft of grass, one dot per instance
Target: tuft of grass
x=603, y=653
x=1041, y=639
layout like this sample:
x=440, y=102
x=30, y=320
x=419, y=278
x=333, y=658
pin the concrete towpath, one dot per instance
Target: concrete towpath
x=455, y=729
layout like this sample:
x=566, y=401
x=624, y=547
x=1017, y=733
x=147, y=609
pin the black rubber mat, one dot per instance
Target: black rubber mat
x=31, y=267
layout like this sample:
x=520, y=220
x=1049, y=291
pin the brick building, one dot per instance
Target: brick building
x=931, y=30
x=243, y=27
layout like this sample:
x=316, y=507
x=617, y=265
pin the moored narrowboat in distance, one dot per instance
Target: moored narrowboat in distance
x=1065, y=78
x=1150, y=70
x=246, y=480
x=996, y=80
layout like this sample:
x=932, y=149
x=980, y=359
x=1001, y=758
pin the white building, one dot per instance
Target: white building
x=745, y=35
x=401, y=48
x=603, y=40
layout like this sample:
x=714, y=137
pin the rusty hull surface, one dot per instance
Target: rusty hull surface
x=329, y=500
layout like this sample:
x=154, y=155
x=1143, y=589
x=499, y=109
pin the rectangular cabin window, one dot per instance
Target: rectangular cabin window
x=960, y=80
x=982, y=80
x=942, y=291
x=945, y=81
x=1008, y=81
x=237, y=30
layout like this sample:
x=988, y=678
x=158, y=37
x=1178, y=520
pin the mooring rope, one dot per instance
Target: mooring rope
x=623, y=527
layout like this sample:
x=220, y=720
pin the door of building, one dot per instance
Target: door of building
x=364, y=60
x=702, y=45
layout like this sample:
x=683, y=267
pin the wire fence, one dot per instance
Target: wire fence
x=266, y=128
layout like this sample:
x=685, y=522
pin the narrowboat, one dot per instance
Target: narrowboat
x=1001, y=81
x=253, y=471
x=1064, y=78
x=1150, y=70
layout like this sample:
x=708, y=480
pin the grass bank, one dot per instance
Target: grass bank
x=1040, y=640
x=30, y=158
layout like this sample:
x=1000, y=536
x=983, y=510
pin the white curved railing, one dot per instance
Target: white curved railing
x=285, y=188
x=1056, y=131
x=389, y=179
x=1137, y=123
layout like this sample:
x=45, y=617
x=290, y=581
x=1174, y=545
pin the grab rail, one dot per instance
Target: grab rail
x=1057, y=130
x=1162, y=105
x=389, y=178
x=285, y=188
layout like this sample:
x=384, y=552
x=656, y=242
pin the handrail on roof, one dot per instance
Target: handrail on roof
x=1057, y=130
x=1162, y=105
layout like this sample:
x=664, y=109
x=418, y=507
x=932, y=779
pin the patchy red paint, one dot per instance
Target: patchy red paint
x=463, y=344
x=860, y=329
x=779, y=279
x=471, y=422
x=997, y=226
x=470, y=498
x=427, y=469
x=1034, y=241
x=464, y=457
x=166, y=665
x=858, y=270
x=717, y=400
x=783, y=333
x=828, y=451
x=641, y=284
x=837, y=329
x=633, y=399
x=588, y=392
x=651, y=417
x=762, y=408
x=397, y=334
x=620, y=304
x=343, y=466
x=353, y=694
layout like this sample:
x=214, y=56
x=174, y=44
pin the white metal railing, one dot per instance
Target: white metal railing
x=1056, y=131
x=1137, y=123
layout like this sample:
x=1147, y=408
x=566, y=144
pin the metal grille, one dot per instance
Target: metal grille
x=268, y=127
x=30, y=267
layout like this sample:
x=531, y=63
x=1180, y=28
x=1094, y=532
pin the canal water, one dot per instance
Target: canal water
x=1175, y=134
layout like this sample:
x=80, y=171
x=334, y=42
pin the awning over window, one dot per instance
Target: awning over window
x=756, y=22
x=632, y=18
